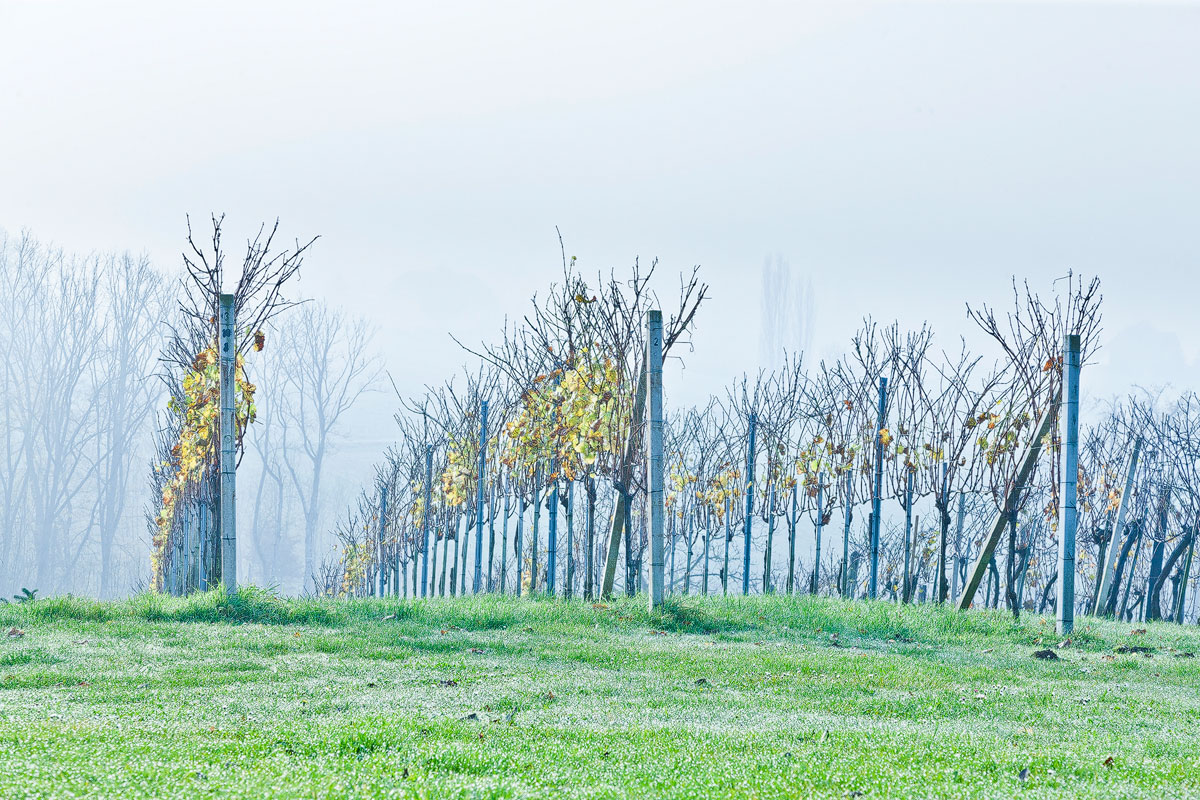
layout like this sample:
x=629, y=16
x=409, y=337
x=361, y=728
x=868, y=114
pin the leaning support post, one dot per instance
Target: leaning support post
x=654, y=360
x=621, y=513
x=877, y=490
x=1068, y=515
x=228, y=326
x=483, y=411
x=749, y=508
x=1114, y=538
x=1024, y=468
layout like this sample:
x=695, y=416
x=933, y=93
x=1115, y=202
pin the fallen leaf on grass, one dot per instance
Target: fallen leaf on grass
x=599, y=605
x=475, y=650
x=1134, y=648
x=1138, y=632
x=15, y=633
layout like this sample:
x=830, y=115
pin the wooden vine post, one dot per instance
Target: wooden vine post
x=226, y=328
x=877, y=489
x=1068, y=513
x=657, y=511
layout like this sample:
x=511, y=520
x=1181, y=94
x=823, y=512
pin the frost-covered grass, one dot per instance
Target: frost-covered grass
x=494, y=697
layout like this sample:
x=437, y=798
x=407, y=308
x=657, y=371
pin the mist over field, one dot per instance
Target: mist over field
x=894, y=161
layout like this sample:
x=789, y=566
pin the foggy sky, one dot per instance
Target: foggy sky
x=907, y=158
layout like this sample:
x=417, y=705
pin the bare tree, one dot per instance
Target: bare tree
x=326, y=367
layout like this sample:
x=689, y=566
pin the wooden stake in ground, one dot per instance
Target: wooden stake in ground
x=227, y=326
x=1068, y=515
x=1024, y=467
x=657, y=510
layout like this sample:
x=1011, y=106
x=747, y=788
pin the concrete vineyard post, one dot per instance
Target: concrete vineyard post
x=569, y=586
x=749, y=508
x=791, y=576
x=728, y=539
x=846, y=535
x=877, y=490
x=519, y=544
x=589, y=537
x=766, y=581
x=491, y=556
x=962, y=516
x=707, y=544
x=479, y=496
x=816, y=573
x=552, y=538
x=941, y=585
x=227, y=326
x=654, y=344
x=428, y=510
x=905, y=593
x=504, y=538
x=1068, y=516
x=380, y=530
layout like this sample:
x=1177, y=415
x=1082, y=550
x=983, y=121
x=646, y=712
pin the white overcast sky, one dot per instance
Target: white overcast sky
x=907, y=157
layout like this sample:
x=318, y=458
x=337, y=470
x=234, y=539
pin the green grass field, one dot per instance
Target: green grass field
x=495, y=697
